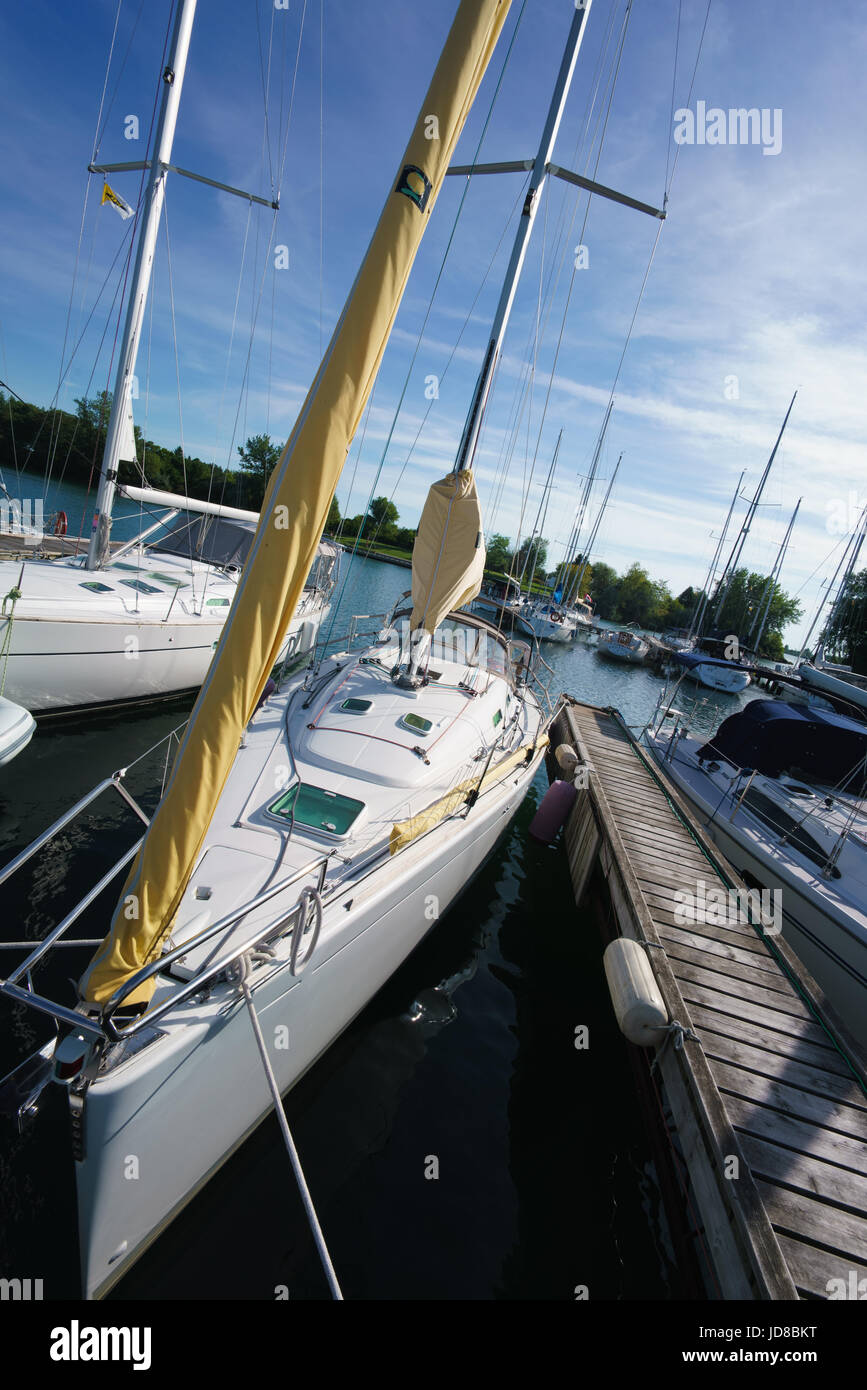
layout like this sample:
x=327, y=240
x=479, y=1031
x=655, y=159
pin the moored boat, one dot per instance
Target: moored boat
x=713, y=672
x=781, y=790
x=307, y=839
x=623, y=646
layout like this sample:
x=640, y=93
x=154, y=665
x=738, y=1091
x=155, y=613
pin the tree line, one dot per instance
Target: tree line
x=70, y=446
x=34, y=439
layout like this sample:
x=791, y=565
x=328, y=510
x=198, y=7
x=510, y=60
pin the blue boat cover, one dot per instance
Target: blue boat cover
x=774, y=737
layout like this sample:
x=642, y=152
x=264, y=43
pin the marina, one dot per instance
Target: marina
x=400, y=902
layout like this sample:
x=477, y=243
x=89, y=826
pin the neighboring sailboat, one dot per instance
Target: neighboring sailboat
x=710, y=663
x=781, y=791
x=843, y=686
x=539, y=617
x=308, y=840
x=623, y=646
x=138, y=623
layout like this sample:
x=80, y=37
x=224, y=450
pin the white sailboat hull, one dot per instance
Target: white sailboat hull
x=619, y=651
x=142, y=629
x=831, y=942
x=182, y=1113
x=63, y=665
x=816, y=677
x=546, y=629
x=731, y=680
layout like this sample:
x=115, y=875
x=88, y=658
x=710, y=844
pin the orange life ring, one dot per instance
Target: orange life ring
x=61, y=524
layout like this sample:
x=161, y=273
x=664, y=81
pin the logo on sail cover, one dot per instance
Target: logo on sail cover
x=415, y=183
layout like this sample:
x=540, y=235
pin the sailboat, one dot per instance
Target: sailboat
x=710, y=662
x=539, y=617
x=141, y=621
x=288, y=877
x=623, y=646
x=310, y=837
x=781, y=791
x=847, y=690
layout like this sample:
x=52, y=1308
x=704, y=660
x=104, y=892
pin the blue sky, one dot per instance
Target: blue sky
x=759, y=274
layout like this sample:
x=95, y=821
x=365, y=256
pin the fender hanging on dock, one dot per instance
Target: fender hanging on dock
x=641, y=1013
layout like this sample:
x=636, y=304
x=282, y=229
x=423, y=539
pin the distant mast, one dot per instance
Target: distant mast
x=173, y=81
x=764, y=608
x=737, y=550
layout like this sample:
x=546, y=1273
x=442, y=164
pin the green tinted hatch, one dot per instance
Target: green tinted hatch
x=356, y=706
x=416, y=724
x=316, y=808
x=140, y=586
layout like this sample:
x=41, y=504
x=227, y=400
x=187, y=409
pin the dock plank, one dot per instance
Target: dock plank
x=798, y=1215
x=809, y=1175
x=790, y=1044
x=796, y=1072
x=823, y=1111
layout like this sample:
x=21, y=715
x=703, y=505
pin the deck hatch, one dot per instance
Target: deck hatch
x=316, y=808
x=416, y=723
x=140, y=586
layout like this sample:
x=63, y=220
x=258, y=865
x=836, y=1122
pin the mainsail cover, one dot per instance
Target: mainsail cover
x=448, y=558
x=292, y=520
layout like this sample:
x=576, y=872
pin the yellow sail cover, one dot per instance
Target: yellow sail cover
x=293, y=517
x=448, y=558
x=404, y=832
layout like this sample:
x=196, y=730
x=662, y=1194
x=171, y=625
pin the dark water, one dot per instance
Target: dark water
x=546, y=1179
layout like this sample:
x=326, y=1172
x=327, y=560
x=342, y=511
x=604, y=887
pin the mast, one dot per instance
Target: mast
x=538, y=178
x=173, y=81
x=698, y=616
x=592, y=537
x=541, y=515
x=729, y=571
x=585, y=498
x=855, y=544
x=765, y=606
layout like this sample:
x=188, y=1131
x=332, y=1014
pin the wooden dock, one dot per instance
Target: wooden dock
x=769, y=1101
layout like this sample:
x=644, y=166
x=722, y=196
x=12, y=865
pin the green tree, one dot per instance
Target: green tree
x=258, y=457
x=93, y=414
x=744, y=604
x=382, y=513
x=499, y=555
x=605, y=590
x=333, y=521
x=637, y=597
x=846, y=638
x=530, y=556
x=658, y=617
